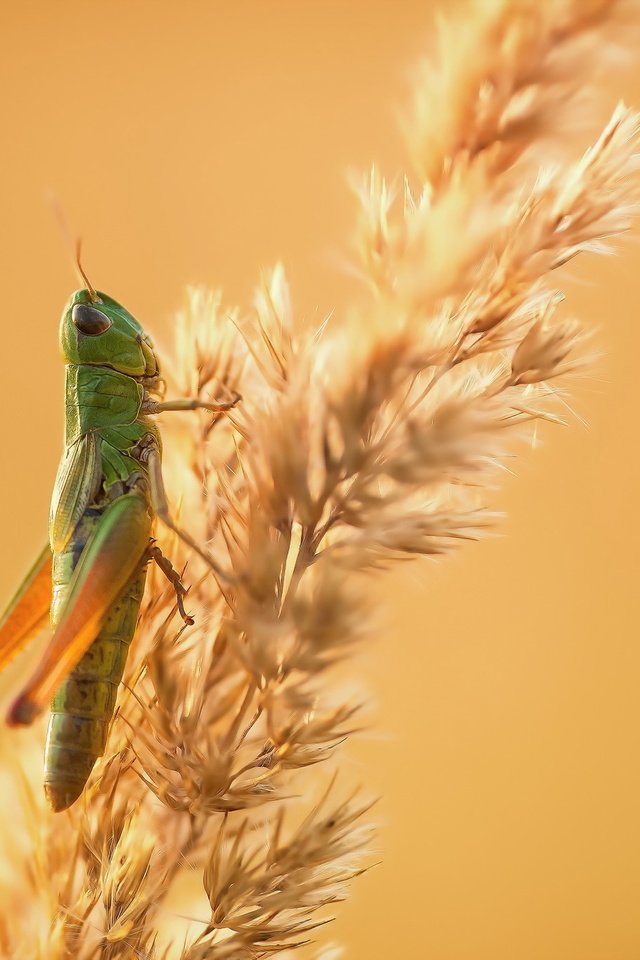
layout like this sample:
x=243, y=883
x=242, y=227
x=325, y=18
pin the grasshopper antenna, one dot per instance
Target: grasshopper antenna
x=93, y=296
x=74, y=244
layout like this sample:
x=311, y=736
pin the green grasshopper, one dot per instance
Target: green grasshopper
x=90, y=577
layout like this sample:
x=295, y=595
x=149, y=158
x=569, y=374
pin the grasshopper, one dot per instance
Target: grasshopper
x=89, y=579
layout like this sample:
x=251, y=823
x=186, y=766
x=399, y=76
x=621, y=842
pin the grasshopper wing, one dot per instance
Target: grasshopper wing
x=78, y=479
x=111, y=556
x=28, y=611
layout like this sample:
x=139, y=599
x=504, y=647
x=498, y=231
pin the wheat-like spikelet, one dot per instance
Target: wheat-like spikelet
x=353, y=446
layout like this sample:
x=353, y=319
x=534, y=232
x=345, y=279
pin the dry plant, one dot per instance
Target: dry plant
x=355, y=445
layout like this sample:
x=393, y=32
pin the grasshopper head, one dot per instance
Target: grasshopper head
x=96, y=329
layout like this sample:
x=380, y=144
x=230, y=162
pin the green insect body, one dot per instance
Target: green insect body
x=107, y=494
x=101, y=469
x=103, y=426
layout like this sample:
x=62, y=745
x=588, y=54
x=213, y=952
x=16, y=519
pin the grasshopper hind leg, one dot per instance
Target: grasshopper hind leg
x=100, y=576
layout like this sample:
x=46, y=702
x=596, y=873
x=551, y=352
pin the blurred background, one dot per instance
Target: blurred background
x=202, y=141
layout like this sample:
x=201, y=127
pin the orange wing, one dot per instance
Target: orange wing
x=28, y=611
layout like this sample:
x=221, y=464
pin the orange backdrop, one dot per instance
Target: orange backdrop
x=200, y=141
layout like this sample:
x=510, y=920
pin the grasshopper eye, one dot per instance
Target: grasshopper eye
x=89, y=320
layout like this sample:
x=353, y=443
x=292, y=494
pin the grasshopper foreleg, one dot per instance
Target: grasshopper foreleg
x=215, y=406
x=172, y=575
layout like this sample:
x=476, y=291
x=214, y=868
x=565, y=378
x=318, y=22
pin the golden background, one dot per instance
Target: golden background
x=200, y=141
